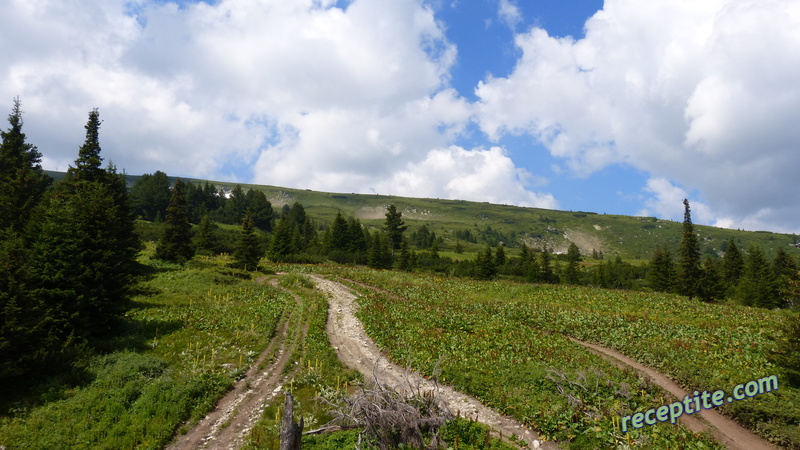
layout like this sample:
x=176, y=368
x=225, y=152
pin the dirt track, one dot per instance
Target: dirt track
x=726, y=431
x=356, y=350
x=237, y=412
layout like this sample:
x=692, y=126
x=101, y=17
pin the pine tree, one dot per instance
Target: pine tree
x=404, y=261
x=22, y=180
x=248, y=250
x=357, y=243
x=339, y=237
x=87, y=166
x=150, y=196
x=711, y=285
x=786, y=273
x=394, y=226
x=499, y=256
x=176, y=240
x=732, y=266
x=661, y=270
x=380, y=256
x=285, y=239
x=260, y=210
x=759, y=285
x=546, y=267
x=486, y=268
x=205, y=239
x=689, y=257
x=787, y=354
x=572, y=274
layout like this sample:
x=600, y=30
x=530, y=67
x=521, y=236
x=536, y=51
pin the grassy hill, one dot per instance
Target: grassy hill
x=632, y=238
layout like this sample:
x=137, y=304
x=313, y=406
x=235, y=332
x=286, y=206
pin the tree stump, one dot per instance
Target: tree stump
x=290, y=430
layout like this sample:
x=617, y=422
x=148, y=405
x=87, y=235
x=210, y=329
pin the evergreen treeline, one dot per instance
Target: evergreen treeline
x=67, y=253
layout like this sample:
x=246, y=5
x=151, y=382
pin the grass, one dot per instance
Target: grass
x=504, y=343
x=191, y=333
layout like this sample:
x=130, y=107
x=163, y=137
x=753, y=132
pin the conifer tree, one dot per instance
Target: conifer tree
x=485, y=268
x=572, y=274
x=661, y=270
x=22, y=180
x=88, y=165
x=787, y=354
x=356, y=241
x=546, y=267
x=404, y=261
x=339, y=237
x=176, y=240
x=248, y=250
x=205, y=239
x=150, y=195
x=394, y=226
x=711, y=286
x=732, y=265
x=499, y=256
x=759, y=286
x=260, y=210
x=285, y=239
x=380, y=256
x=688, y=257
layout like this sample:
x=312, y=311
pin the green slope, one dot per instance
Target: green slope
x=632, y=238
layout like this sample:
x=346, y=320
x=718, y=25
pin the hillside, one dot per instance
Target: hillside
x=632, y=238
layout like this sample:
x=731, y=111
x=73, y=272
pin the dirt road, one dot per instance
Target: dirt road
x=356, y=350
x=237, y=412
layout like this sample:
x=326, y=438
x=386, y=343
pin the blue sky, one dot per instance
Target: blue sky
x=615, y=106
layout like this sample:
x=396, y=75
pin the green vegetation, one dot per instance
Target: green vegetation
x=190, y=333
x=504, y=343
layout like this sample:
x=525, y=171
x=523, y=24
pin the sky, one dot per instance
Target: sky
x=615, y=106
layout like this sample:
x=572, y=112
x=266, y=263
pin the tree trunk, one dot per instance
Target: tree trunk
x=290, y=430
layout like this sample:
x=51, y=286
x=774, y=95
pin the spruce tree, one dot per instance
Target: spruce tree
x=404, y=261
x=380, y=256
x=711, y=285
x=394, y=226
x=22, y=180
x=688, y=257
x=759, y=285
x=661, y=270
x=546, y=267
x=285, y=239
x=486, y=268
x=176, y=240
x=87, y=166
x=150, y=196
x=500, y=256
x=572, y=274
x=339, y=237
x=248, y=250
x=787, y=354
x=205, y=238
x=260, y=210
x=732, y=266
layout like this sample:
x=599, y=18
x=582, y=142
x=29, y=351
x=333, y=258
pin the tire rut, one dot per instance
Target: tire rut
x=238, y=411
x=356, y=350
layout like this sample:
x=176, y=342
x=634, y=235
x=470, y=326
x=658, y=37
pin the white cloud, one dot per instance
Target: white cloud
x=702, y=94
x=336, y=96
x=509, y=13
x=478, y=174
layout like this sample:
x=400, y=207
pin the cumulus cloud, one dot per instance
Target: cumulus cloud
x=509, y=13
x=337, y=96
x=478, y=174
x=697, y=94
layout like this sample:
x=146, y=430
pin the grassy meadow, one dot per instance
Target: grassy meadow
x=506, y=344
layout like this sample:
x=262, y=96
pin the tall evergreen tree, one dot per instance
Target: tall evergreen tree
x=285, y=239
x=661, y=270
x=688, y=257
x=759, y=285
x=546, y=267
x=485, y=265
x=339, y=236
x=22, y=180
x=150, y=196
x=404, y=261
x=260, y=210
x=357, y=243
x=205, y=238
x=88, y=165
x=176, y=240
x=711, y=285
x=572, y=274
x=787, y=354
x=394, y=226
x=248, y=250
x=732, y=266
x=500, y=256
x=380, y=256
